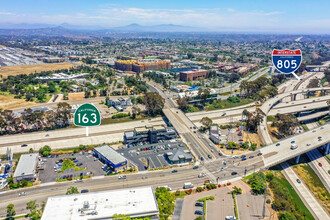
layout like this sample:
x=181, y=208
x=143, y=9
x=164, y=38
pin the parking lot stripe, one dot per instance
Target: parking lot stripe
x=152, y=162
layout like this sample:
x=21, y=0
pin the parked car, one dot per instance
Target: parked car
x=243, y=158
x=259, y=154
x=199, y=204
x=277, y=144
x=233, y=173
x=251, y=156
x=198, y=212
x=24, y=145
x=84, y=191
x=174, y=171
x=298, y=181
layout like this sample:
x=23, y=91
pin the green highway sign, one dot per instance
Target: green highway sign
x=87, y=115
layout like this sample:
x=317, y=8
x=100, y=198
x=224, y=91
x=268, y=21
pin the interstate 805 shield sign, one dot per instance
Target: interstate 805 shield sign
x=286, y=61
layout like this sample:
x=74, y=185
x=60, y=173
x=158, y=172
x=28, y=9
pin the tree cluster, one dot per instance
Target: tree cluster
x=154, y=103
x=34, y=120
x=257, y=89
x=254, y=119
x=165, y=202
x=286, y=124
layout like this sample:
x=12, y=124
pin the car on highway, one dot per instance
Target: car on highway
x=78, y=180
x=292, y=142
x=233, y=173
x=212, y=150
x=122, y=177
x=308, y=144
x=209, y=156
x=202, y=158
x=243, y=158
x=199, y=204
x=24, y=145
x=314, y=131
x=222, y=169
x=84, y=191
x=198, y=212
x=224, y=162
x=223, y=114
x=320, y=164
x=251, y=156
x=210, y=145
x=22, y=194
x=235, y=157
x=293, y=146
x=259, y=154
x=277, y=144
x=298, y=181
x=174, y=171
x=201, y=175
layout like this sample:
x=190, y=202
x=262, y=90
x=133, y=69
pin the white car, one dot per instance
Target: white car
x=22, y=194
x=122, y=177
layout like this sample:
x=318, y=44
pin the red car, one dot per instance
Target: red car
x=320, y=164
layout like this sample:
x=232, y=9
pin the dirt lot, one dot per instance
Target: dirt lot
x=27, y=69
x=252, y=138
x=76, y=96
x=8, y=102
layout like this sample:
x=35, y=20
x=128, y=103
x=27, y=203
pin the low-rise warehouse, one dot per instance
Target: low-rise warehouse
x=133, y=202
x=111, y=158
x=27, y=167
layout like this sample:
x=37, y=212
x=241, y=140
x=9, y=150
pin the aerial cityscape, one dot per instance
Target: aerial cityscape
x=176, y=110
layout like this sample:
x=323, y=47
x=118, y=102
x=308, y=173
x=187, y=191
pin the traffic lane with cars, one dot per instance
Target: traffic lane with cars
x=91, y=164
x=155, y=178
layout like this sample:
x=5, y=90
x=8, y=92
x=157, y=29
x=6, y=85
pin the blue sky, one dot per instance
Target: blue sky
x=308, y=16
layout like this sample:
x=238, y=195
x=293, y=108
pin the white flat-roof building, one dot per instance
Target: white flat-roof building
x=133, y=202
x=27, y=167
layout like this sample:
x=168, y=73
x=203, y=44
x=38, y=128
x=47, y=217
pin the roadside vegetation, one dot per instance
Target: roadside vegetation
x=165, y=202
x=285, y=199
x=314, y=183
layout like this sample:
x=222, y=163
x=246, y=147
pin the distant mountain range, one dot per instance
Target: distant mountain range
x=127, y=28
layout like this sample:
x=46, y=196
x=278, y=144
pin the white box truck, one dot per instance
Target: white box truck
x=188, y=186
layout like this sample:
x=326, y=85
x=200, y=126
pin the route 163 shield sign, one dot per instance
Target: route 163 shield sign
x=286, y=61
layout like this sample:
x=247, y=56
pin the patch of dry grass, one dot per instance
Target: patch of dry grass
x=8, y=102
x=28, y=69
x=252, y=138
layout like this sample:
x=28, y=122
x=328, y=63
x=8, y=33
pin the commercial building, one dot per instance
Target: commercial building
x=119, y=102
x=142, y=65
x=151, y=134
x=178, y=157
x=215, y=134
x=134, y=202
x=193, y=75
x=111, y=158
x=27, y=167
x=62, y=77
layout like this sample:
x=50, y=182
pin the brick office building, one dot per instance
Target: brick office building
x=193, y=75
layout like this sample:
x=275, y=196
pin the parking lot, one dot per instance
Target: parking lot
x=87, y=161
x=152, y=154
x=219, y=208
